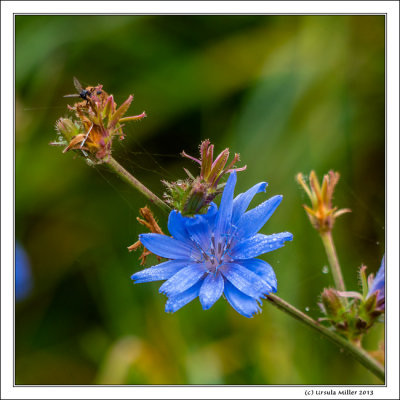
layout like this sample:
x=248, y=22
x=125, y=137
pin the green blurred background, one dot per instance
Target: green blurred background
x=289, y=93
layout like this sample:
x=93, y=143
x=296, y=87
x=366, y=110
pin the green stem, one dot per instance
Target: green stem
x=327, y=240
x=127, y=177
x=357, y=352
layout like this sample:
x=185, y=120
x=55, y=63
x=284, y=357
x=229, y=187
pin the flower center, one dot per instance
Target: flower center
x=217, y=254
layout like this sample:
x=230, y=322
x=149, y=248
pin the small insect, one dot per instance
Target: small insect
x=85, y=94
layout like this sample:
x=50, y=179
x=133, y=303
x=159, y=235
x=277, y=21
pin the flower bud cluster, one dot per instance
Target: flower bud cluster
x=97, y=121
x=194, y=194
x=353, y=318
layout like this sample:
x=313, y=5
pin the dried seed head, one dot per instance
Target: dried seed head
x=321, y=213
x=97, y=121
x=151, y=224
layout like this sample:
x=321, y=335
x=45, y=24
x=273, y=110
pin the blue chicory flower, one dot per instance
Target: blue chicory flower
x=23, y=276
x=214, y=254
x=378, y=285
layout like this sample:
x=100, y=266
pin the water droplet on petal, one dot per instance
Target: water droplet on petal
x=325, y=269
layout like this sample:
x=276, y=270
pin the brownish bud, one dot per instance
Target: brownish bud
x=212, y=170
x=151, y=224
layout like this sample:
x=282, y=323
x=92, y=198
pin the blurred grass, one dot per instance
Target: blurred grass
x=290, y=93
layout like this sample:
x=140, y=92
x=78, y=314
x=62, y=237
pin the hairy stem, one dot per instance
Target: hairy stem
x=127, y=177
x=327, y=240
x=357, y=352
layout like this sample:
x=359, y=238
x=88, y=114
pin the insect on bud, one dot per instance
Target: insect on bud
x=98, y=121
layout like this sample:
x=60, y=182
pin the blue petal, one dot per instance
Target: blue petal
x=165, y=246
x=379, y=280
x=259, y=244
x=245, y=280
x=23, y=275
x=263, y=270
x=243, y=304
x=200, y=232
x=211, y=212
x=159, y=272
x=176, y=226
x=242, y=201
x=252, y=221
x=224, y=215
x=182, y=280
x=174, y=303
x=211, y=290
